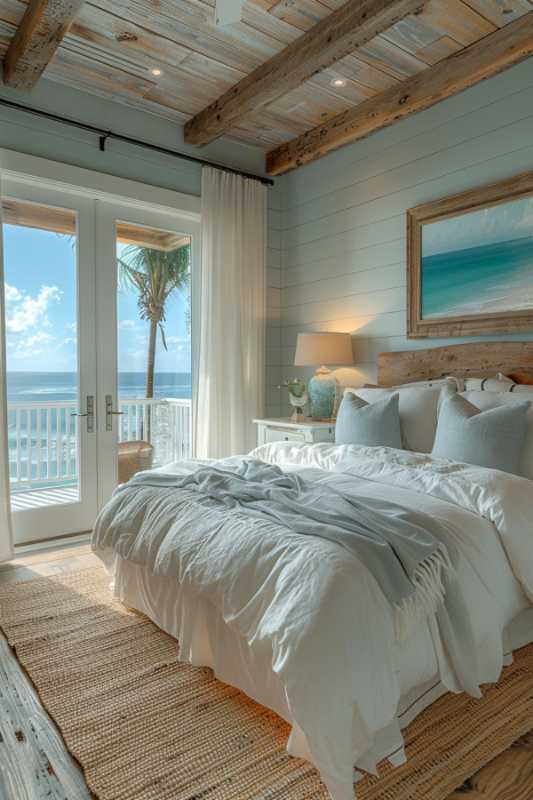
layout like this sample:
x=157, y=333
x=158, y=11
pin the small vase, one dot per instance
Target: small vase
x=322, y=393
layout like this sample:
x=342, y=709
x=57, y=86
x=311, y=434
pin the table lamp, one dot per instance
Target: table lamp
x=334, y=349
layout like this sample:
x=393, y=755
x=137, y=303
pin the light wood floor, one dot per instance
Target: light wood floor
x=34, y=764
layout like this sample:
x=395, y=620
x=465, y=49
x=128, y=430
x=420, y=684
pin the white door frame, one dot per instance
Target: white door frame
x=140, y=202
x=107, y=214
x=56, y=520
x=97, y=185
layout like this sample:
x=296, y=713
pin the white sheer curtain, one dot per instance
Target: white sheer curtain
x=230, y=310
x=6, y=535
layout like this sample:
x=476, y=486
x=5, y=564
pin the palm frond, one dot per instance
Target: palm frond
x=154, y=275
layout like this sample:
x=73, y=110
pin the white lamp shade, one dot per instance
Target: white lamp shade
x=313, y=349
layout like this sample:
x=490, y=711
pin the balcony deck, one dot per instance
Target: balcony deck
x=44, y=444
x=39, y=498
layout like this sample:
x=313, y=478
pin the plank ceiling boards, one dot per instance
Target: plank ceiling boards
x=112, y=48
x=354, y=26
x=38, y=36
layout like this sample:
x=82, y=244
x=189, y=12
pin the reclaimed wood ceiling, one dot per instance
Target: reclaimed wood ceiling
x=112, y=46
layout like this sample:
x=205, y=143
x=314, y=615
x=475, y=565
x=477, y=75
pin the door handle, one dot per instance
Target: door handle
x=110, y=413
x=89, y=414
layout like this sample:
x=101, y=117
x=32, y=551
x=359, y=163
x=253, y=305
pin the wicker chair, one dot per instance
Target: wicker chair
x=133, y=457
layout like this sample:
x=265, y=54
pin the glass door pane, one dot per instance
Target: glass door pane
x=48, y=440
x=40, y=254
x=154, y=347
x=146, y=268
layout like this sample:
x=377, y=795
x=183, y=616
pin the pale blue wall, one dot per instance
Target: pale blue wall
x=343, y=246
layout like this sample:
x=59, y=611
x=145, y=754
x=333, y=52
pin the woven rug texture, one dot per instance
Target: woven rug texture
x=145, y=727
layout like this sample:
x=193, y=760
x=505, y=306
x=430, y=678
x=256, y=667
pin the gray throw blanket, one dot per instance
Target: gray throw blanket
x=398, y=545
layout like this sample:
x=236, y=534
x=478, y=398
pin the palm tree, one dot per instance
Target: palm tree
x=155, y=274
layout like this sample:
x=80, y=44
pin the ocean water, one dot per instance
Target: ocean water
x=36, y=387
x=494, y=277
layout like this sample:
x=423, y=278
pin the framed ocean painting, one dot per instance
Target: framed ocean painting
x=470, y=262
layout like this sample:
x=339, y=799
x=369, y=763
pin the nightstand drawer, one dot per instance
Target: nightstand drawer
x=273, y=434
x=288, y=430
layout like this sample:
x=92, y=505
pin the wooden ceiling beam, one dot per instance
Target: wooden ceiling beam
x=37, y=38
x=494, y=53
x=337, y=35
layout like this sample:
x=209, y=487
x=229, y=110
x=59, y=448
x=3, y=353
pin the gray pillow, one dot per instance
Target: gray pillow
x=374, y=424
x=493, y=438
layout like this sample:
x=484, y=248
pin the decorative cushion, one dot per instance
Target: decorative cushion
x=418, y=411
x=521, y=388
x=374, y=424
x=432, y=383
x=491, y=438
x=488, y=400
x=499, y=383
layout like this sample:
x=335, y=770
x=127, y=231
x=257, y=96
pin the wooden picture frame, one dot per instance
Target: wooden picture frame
x=472, y=322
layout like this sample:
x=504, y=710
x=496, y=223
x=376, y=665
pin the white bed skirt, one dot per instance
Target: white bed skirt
x=206, y=640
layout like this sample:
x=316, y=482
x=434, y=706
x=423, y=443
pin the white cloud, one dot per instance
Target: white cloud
x=12, y=294
x=126, y=324
x=38, y=338
x=31, y=312
x=32, y=345
x=179, y=340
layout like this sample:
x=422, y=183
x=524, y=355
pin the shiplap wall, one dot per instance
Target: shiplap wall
x=29, y=134
x=343, y=224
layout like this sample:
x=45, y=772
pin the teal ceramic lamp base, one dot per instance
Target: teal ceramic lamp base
x=322, y=394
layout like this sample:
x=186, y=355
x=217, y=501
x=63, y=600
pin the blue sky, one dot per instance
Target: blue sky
x=41, y=324
x=500, y=223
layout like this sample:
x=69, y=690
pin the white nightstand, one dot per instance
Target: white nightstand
x=284, y=430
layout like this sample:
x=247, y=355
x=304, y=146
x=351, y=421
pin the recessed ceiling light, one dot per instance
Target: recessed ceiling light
x=338, y=82
x=156, y=71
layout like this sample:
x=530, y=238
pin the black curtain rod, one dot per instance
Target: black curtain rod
x=105, y=135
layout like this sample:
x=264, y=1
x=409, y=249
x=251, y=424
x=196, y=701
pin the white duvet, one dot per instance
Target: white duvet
x=317, y=611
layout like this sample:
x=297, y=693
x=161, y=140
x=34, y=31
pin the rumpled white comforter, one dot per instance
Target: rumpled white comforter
x=322, y=614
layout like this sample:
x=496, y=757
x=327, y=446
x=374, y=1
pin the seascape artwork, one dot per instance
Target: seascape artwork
x=478, y=263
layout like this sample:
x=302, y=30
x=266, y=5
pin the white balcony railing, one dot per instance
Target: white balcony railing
x=43, y=437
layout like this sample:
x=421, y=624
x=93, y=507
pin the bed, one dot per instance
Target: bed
x=301, y=626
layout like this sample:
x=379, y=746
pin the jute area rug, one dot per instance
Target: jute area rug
x=145, y=727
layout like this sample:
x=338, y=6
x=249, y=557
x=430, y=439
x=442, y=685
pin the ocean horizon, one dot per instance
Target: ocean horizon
x=30, y=432
x=488, y=278
x=35, y=387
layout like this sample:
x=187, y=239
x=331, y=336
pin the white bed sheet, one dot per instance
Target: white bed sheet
x=210, y=642
x=501, y=613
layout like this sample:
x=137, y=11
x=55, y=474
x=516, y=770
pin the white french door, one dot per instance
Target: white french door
x=49, y=257
x=145, y=257
x=97, y=389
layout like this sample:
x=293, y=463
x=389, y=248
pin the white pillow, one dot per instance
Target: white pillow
x=418, y=412
x=427, y=384
x=484, y=400
x=433, y=383
x=522, y=388
x=500, y=383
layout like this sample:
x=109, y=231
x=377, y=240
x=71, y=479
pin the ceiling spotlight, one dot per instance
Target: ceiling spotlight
x=156, y=71
x=338, y=82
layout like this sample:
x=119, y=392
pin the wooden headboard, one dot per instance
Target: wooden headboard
x=476, y=360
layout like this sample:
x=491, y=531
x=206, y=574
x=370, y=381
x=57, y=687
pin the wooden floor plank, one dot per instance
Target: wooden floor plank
x=35, y=762
x=46, y=555
x=21, y=572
